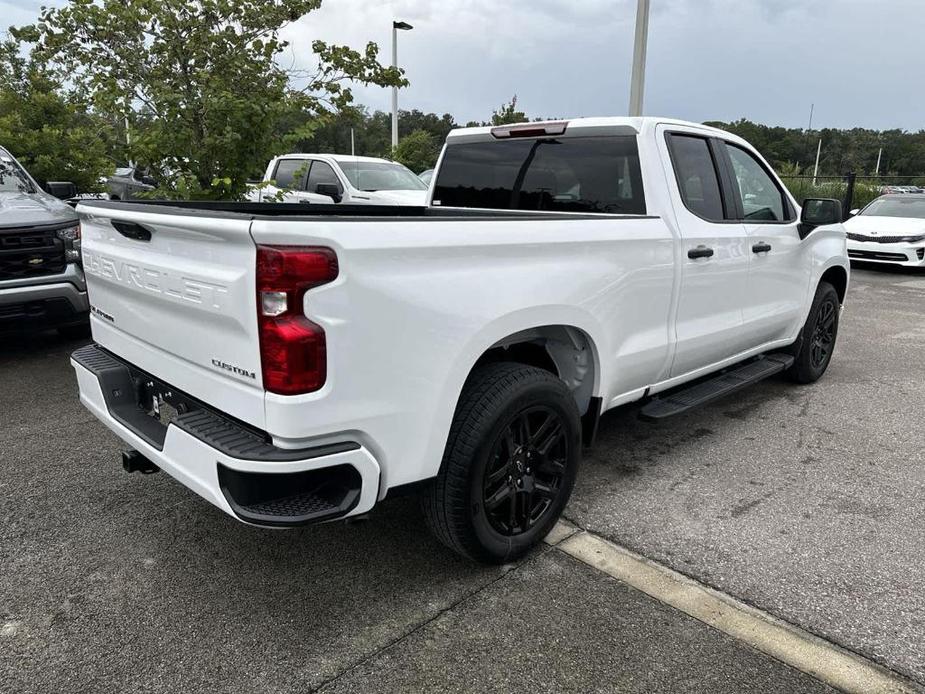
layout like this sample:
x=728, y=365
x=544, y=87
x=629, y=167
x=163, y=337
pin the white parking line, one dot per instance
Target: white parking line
x=789, y=644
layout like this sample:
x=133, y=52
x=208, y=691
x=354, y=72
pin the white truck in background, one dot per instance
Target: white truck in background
x=297, y=364
x=341, y=179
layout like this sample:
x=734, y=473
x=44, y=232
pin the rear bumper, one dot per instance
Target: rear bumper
x=226, y=464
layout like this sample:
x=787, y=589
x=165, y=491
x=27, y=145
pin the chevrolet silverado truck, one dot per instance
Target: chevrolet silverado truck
x=41, y=281
x=296, y=364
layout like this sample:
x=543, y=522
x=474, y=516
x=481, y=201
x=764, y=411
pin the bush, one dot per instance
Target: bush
x=418, y=151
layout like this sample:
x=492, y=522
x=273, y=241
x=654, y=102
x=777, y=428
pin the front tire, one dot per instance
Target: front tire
x=818, y=337
x=509, y=465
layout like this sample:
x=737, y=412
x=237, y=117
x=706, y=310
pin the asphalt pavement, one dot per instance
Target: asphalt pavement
x=806, y=501
x=802, y=501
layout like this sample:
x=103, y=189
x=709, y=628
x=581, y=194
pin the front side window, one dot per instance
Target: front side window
x=289, y=172
x=697, y=178
x=568, y=174
x=762, y=200
x=12, y=178
x=320, y=173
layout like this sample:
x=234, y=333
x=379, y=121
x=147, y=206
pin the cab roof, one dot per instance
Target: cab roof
x=335, y=157
x=607, y=125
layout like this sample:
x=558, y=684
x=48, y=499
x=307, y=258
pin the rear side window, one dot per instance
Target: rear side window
x=697, y=178
x=289, y=170
x=569, y=174
x=762, y=200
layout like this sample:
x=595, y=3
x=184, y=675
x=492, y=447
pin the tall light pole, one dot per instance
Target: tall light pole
x=404, y=26
x=638, y=83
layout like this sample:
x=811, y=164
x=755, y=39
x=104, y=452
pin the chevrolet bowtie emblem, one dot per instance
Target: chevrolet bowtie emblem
x=36, y=261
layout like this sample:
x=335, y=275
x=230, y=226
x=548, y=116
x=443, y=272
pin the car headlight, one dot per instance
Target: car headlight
x=71, y=238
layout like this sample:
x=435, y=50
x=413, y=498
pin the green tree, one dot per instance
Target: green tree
x=508, y=114
x=54, y=137
x=199, y=83
x=418, y=151
x=842, y=150
x=372, y=132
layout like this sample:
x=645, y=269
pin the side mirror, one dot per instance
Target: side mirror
x=61, y=189
x=332, y=190
x=818, y=212
x=854, y=212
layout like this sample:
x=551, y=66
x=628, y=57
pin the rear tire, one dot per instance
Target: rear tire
x=509, y=465
x=818, y=337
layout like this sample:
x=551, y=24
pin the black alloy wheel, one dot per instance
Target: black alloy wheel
x=813, y=351
x=525, y=470
x=823, y=336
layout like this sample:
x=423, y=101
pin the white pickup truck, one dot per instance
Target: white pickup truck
x=339, y=178
x=296, y=364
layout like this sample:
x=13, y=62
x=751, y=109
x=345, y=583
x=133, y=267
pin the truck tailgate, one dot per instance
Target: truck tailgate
x=174, y=294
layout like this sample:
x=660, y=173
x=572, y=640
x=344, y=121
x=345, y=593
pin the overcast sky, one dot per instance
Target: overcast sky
x=860, y=61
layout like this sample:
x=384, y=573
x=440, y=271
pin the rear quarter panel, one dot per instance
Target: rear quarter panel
x=417, y=302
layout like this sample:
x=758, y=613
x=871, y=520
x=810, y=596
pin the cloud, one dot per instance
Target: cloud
x=766, y=60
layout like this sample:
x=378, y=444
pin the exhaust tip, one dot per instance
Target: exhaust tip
x=133, y=461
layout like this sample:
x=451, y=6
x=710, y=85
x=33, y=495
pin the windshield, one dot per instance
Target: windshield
x=570, y=174
x=375, y=175
x=12, y=178
x=896, y=207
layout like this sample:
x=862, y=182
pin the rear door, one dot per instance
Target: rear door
x=713, y=255
x=175, y=296
x=779, y=269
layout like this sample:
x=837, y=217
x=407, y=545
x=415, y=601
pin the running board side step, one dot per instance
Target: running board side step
x=725, y=383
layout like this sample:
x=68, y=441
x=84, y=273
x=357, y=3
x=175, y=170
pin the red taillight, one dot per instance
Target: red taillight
x=293, y=350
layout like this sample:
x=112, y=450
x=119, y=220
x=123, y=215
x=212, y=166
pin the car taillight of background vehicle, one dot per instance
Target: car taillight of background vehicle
x=71, y=238
x=293, y=350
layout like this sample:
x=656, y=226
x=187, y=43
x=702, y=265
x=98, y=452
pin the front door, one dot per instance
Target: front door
x=288, y=180
x=322, y=174
x=780, y=271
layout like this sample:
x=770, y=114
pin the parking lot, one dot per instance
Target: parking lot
x=804, y=502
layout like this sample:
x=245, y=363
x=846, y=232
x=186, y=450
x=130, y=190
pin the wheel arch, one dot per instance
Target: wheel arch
x=561, y=340
x=837, y=276
x=566, y=351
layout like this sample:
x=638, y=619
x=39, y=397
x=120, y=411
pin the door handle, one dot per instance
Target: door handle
x=700, y=252
x=761, y=247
